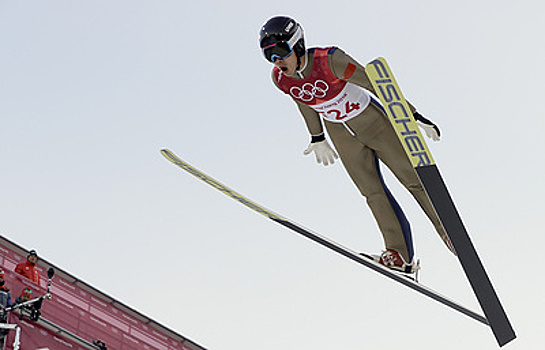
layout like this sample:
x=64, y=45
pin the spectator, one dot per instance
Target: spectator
x=28, y=268
x=26, y=295
x=5, y=301
x=5, y=296
x=33, y=308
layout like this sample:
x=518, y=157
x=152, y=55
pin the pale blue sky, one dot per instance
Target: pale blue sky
x=91, y=90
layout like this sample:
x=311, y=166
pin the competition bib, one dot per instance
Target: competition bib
x=350, y=102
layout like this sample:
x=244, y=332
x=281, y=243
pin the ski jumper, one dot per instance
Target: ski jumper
x=334, y=90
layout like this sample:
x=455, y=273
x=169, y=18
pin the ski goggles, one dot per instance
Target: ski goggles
x=277, y=51
x=282, y=49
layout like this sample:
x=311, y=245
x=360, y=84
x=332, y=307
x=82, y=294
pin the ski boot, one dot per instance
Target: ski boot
x=393, y=260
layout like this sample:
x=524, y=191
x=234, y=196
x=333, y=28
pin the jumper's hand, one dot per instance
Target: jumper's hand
x=432, y=130
x=323, y=151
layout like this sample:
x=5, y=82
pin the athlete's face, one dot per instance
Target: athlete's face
x=288, y=65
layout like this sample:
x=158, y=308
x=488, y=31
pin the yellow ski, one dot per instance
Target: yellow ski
x=416, y=149
x=363, y=259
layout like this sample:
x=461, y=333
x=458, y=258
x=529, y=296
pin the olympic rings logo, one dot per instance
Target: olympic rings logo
x=309, y=91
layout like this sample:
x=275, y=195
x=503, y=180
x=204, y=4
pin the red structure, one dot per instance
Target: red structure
x=78, y=316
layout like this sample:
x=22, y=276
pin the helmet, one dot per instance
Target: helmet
x=280, y=36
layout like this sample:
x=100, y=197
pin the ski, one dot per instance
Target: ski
x=410, y=137
x=363, y=259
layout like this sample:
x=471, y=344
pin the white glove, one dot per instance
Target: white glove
x=430, y=130
x=323, y=151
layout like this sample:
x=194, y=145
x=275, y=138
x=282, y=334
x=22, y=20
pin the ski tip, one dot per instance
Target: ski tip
x=378, y=59
x=166, y=152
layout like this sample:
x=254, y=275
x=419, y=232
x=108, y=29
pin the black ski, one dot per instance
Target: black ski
x=363, y=259
x=403, y=122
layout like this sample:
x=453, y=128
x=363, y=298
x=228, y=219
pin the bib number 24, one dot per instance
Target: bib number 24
x=340, y=114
